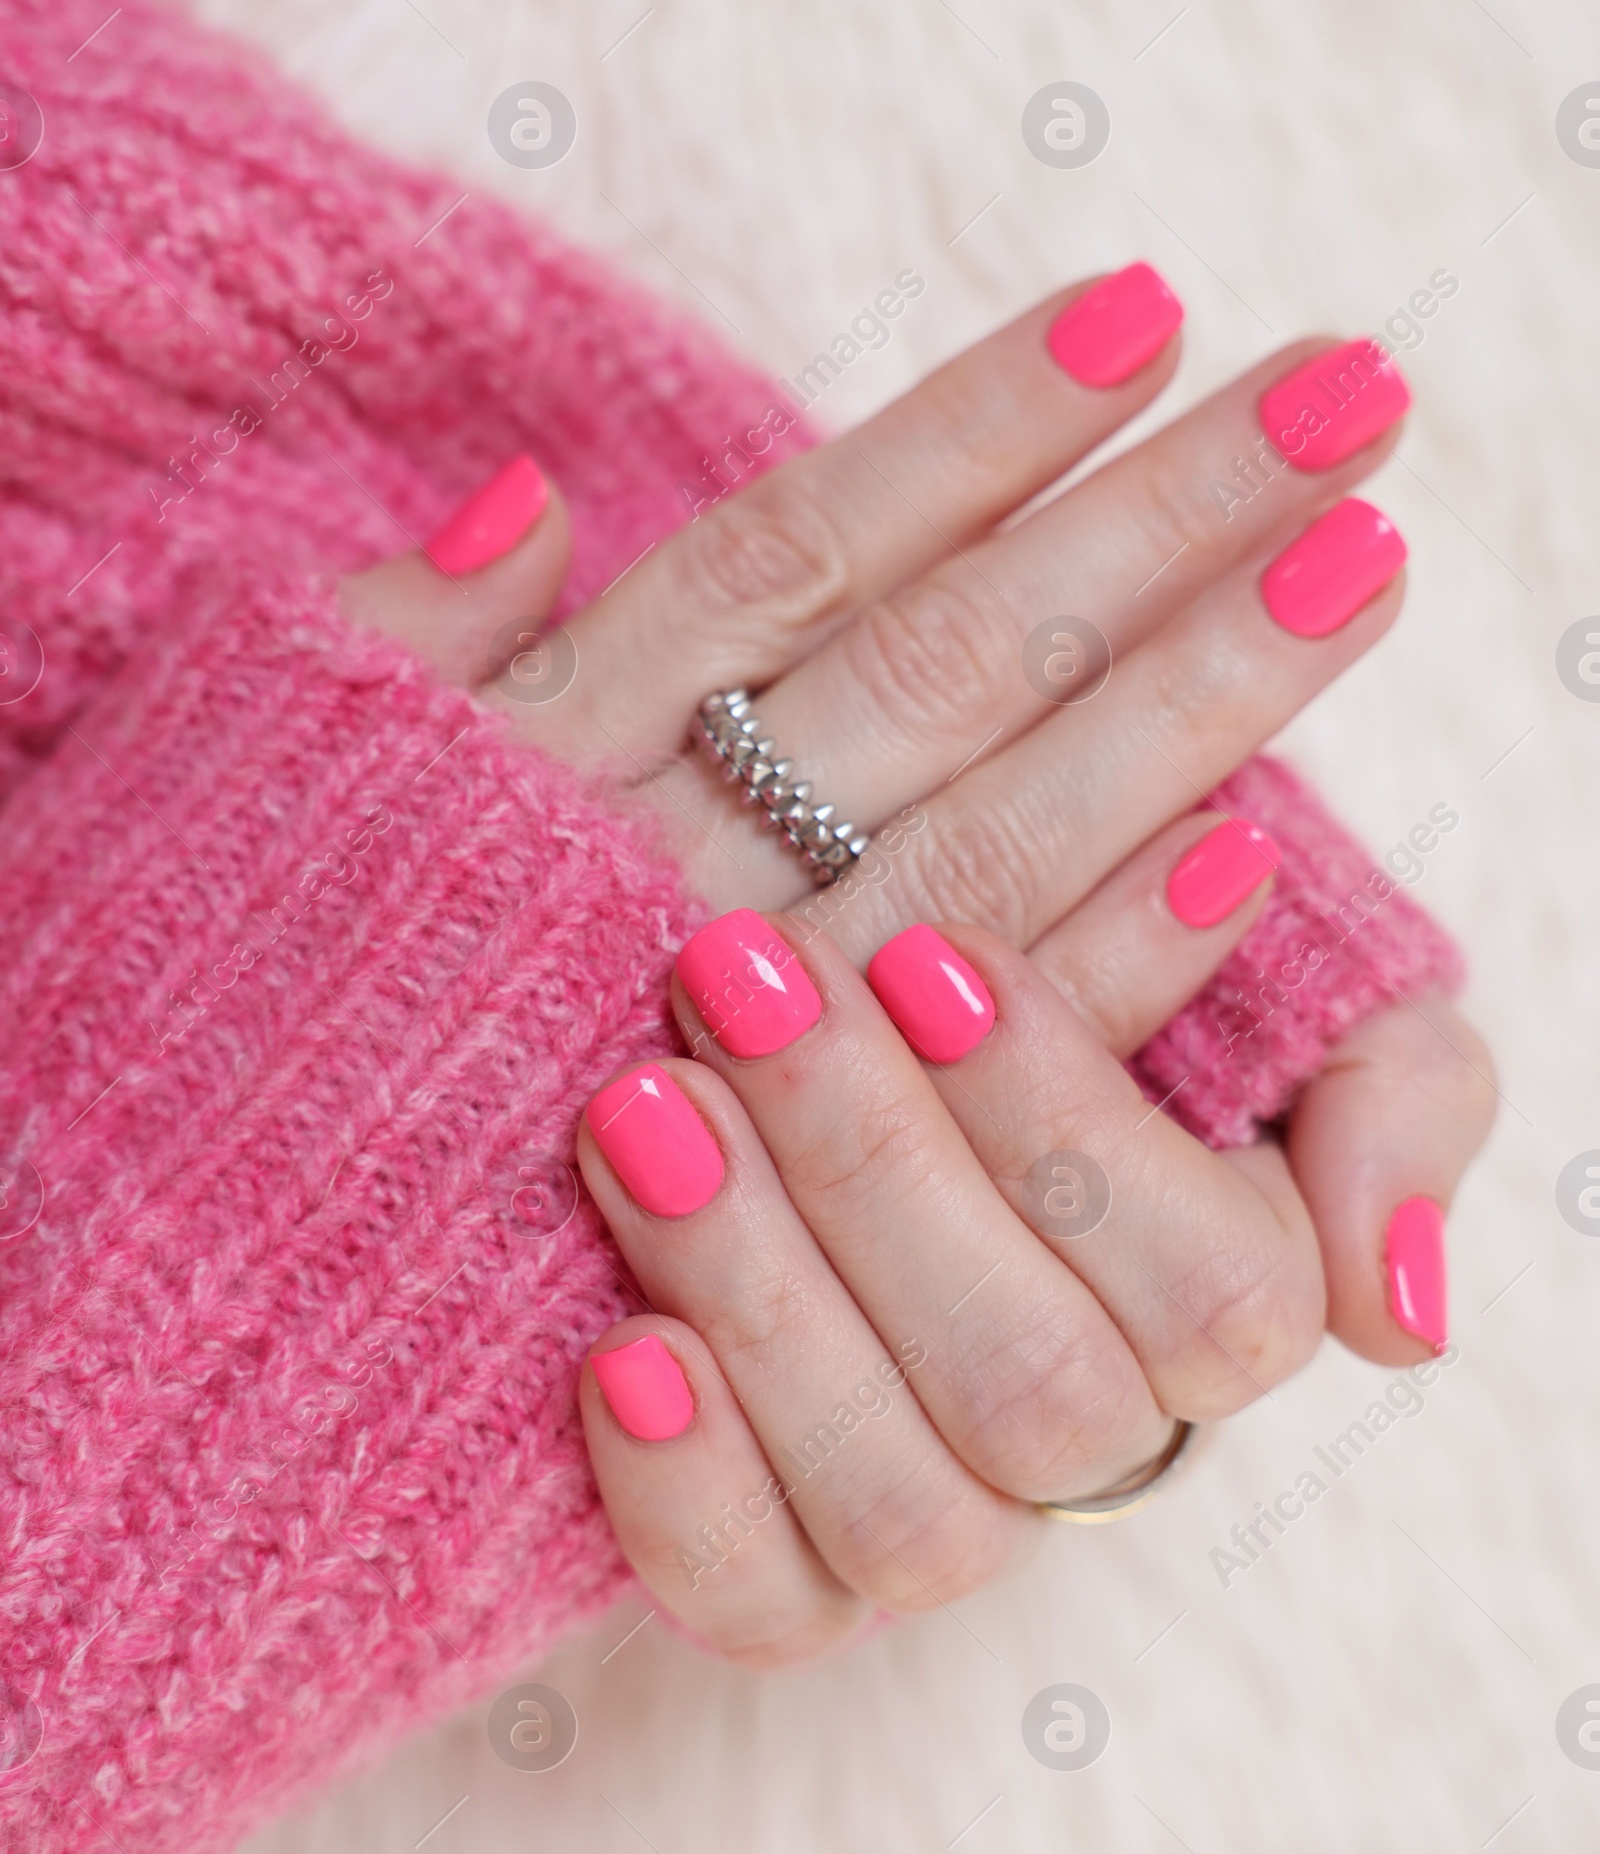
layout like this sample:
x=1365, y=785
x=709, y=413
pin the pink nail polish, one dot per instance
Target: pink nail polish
x=646, y=1389
x=657, y=1144
x=1121, y=324
x=754, y=995
x=1323, y=579
x=938, y=1002
x=1413, y=1253
x=1334, y=405
x=491, y=521
x=1226, y=865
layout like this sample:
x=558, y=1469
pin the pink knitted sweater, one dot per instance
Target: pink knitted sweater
x=306, y=975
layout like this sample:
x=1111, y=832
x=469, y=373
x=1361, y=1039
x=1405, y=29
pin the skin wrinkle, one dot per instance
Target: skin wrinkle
x=1269, y=1325
x=1171, y=1346
x=776, y=560
x=925, y=1551
x=932, y=658
x=989, y=876
x=873, y=1128
x=1063, y=1407
x=760, y=1310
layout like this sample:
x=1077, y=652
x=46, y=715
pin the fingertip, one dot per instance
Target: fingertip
x=656, y=1142
x=695, y=1504
x=1378, y=1144
x=1116, y=327
x=459, y=599
x=644, y=1387
x=1414, y=1262
x=491, y=520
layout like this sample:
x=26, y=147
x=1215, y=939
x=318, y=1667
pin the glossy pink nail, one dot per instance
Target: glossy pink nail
x=1121, y=324
x=1224, y=867
x=1334, y=405
x=657, y=1144
x=491, y=521
x=1413, y=1253
x=754, y=995
x=938, y=1002
x=1322, y=580
x=646, y=1389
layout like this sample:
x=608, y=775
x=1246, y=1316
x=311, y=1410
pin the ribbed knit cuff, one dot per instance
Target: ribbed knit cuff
x=307, y=976
x=1339, y=938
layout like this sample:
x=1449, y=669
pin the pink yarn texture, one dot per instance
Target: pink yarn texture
x=308, y=974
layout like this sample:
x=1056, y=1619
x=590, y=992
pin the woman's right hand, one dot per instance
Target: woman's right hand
x=919, y=1255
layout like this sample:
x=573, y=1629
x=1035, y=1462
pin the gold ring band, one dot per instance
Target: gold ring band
x=1133, y=1491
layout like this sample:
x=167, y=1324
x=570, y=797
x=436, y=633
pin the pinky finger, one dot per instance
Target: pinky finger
x=1377, y=1144
x=694, y=1502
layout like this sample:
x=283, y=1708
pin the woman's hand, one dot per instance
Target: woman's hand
x=881, y=590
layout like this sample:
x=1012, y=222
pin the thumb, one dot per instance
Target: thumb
x=456, y=600
x=1377, y=1144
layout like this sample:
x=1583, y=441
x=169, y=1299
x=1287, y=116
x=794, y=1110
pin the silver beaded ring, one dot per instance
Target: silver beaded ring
x=730, y=733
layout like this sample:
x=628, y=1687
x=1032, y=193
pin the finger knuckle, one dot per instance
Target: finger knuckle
x=764, y=1320
x=918, y=1546
x=769, y=554
x=932, y=658
x=1252, y=1315
x=1207, y=688
x=981, y=865
x=1060, y=1402
x=1175, y=508
x=878, y=1152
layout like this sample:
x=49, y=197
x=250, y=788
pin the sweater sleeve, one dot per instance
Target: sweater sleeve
x=306, y=974
x=307, y=977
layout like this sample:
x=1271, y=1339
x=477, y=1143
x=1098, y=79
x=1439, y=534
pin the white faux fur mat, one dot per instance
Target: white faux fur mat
x=1388, y=1677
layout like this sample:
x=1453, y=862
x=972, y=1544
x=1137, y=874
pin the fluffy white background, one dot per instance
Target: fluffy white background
x=1290, y=169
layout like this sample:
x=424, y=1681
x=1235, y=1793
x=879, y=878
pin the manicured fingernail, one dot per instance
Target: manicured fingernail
x=646, y=1388
x=1226, y=865
x=657, y=1144
x=1413, y=1254
x=754, y=995
x=1322, y=580
x=492, y=520
x=938, y=1002
x=1107, y=334
x=1334, y=405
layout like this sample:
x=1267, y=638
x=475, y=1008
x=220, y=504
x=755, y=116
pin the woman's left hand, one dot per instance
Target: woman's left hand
x=895, y=1302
